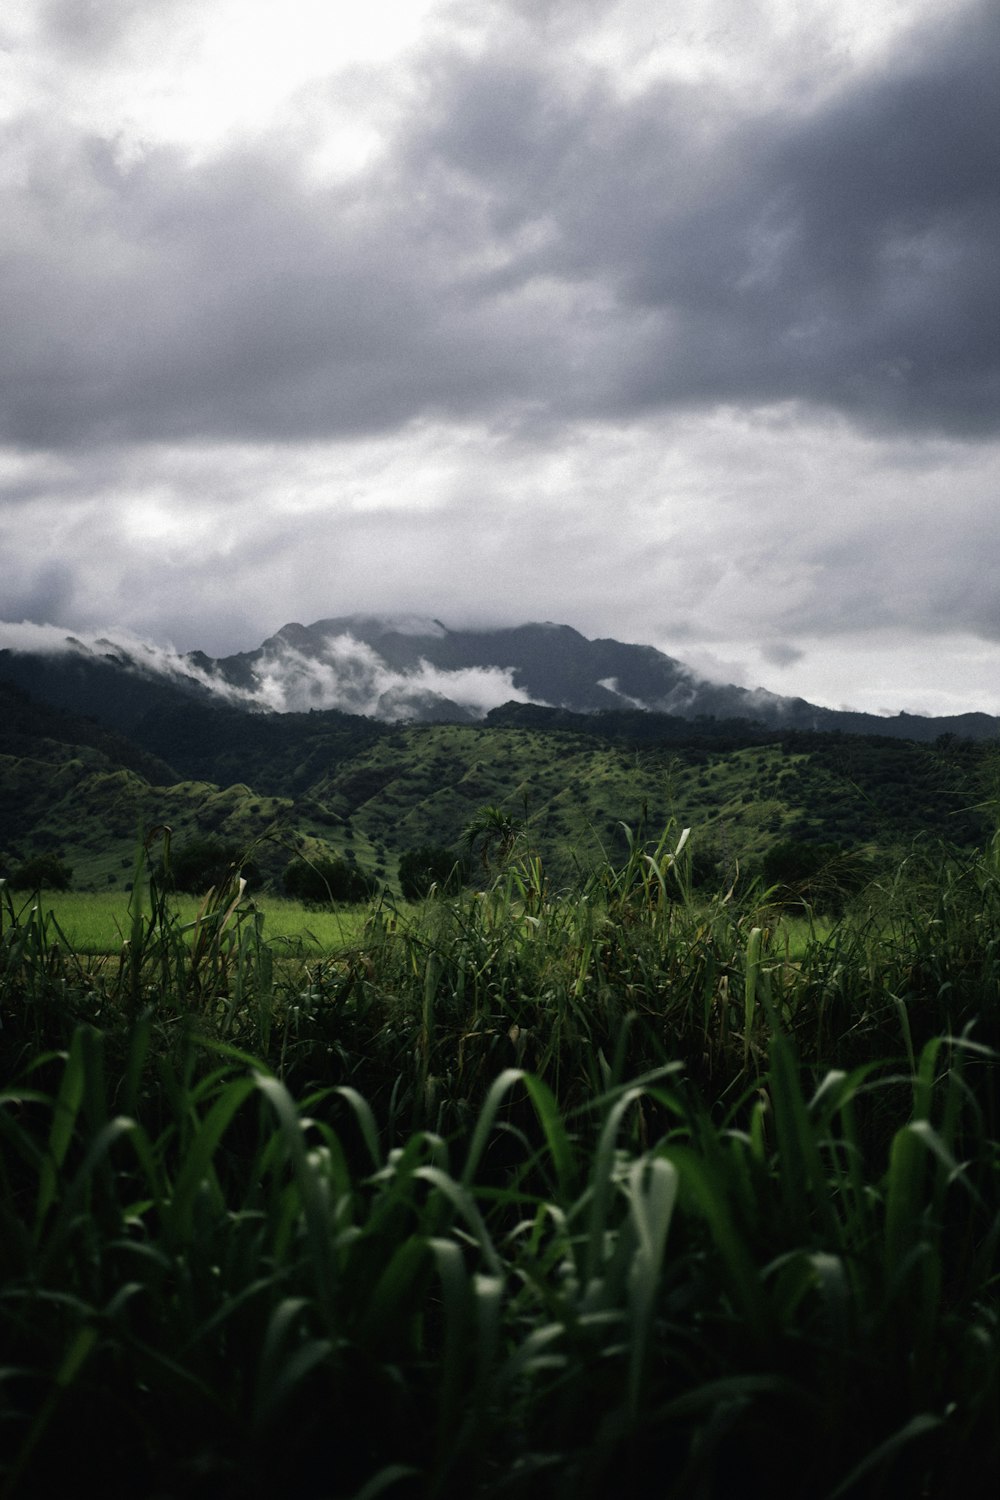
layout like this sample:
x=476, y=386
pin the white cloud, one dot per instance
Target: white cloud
x=350, y=675
x=125, y=648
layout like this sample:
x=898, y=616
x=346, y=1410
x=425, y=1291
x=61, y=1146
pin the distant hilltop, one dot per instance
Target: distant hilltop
x=411, y=668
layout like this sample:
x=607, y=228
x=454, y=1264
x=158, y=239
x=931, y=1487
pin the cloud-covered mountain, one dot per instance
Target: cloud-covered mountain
x=418, y=668
x=414, y=669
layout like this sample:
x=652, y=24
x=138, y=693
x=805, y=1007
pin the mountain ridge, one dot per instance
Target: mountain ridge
x=417, y=669
x=330, y=783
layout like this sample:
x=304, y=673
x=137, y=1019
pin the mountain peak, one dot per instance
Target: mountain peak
x=414, y=667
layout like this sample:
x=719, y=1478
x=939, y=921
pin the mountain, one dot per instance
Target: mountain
x=415, y=669
x=192, y=748
x=419, y=670
x=103, y=679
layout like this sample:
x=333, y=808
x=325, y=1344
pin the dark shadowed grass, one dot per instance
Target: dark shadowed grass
x=527, y=1193
x=234, y=1301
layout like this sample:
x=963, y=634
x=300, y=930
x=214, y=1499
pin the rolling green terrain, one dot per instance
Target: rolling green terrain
x=647, y=1152
x=329, y=783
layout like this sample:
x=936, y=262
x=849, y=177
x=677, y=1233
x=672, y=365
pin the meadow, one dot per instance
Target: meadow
x=99, y=922
x=523, y=1192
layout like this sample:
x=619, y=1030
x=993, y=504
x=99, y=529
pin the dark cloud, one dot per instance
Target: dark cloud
x=845, y=255
x=157, y=300
x=532, y=246
x=48, y=594
x=781, y=653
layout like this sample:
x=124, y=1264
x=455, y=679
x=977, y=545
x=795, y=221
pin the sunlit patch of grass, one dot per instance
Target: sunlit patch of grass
x=97, y=922
x=795, y=934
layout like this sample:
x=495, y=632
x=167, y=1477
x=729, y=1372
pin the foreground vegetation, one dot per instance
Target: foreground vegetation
x=520, y=1194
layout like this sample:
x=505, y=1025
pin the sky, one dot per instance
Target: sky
x=674, y=323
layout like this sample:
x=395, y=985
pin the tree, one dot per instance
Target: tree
x=429, y=866
x=44, y=870
x=325, y=880
x=823, y=875
x=205, y=862
x=495, y=831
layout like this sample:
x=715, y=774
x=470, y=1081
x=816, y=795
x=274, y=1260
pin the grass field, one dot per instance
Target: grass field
x=99, y=922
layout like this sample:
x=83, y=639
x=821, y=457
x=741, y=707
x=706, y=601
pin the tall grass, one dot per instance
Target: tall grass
x=235, y=1299
x=526, y=1194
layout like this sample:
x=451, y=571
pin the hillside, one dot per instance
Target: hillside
x=329, y=782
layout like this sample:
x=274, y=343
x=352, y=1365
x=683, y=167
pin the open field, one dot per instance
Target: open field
x=98, y=922
x=525, y=1193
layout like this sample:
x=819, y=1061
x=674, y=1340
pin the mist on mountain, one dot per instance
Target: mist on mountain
x=411, y=669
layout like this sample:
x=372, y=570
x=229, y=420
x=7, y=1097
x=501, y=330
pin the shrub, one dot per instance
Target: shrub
x=824, y=875
x=430, y=865
x=43, y=870
x=202, y=863
x=322, y=881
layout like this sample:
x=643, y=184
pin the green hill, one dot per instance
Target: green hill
x=330, y=782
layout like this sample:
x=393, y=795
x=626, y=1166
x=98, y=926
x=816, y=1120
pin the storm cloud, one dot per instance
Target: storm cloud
x=527, y=244
x=677, y=328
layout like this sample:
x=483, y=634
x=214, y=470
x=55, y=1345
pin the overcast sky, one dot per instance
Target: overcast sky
x=678, y=323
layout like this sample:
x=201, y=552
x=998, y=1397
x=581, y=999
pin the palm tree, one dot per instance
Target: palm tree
x=495, y=831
